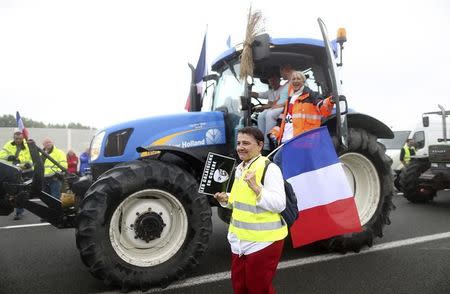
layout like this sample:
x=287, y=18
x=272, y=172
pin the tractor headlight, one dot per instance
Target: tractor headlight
x=96, y=146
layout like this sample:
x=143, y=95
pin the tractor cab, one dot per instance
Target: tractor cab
x=303, y=54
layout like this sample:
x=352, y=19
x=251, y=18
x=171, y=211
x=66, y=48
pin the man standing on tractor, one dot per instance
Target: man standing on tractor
x=17, y=152
x=406, y=152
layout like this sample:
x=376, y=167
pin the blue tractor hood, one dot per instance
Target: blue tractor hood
x=185, y=130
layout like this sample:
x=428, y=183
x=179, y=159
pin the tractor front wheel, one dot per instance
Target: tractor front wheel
x=143, y=224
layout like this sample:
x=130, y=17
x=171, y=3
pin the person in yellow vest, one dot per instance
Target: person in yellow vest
x=53, y=175
x=16, y=151
x=407, y=151
x=257, y=231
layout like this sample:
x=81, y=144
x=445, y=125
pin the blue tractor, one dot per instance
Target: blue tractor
x=140, y=219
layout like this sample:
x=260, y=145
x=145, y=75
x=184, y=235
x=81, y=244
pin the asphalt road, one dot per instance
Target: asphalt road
x=412, y=257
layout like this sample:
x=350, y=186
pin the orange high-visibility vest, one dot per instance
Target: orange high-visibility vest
x=305, y=115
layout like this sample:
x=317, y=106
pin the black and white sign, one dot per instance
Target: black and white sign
x=216, y=174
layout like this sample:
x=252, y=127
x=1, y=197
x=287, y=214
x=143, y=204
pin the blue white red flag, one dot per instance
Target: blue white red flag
x=21, y=126
x=324, y=197
x=200, y=71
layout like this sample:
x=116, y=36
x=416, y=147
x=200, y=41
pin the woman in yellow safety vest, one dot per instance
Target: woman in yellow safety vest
x=257, y=231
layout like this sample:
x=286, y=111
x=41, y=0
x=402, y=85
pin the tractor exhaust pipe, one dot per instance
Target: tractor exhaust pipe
x=444, y=123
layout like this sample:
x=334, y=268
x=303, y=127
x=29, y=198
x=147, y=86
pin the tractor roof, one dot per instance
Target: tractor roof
x=295, y=51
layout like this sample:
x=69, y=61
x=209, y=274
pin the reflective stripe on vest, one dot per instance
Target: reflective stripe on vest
x=249, y=208
x=307, y=116
x=258, y=226
x=248, y=221
x=407, y=157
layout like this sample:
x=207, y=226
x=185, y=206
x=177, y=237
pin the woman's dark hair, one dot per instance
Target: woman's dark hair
x=254, y=132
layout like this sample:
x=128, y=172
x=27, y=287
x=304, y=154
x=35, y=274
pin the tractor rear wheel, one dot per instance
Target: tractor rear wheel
x=143, y=224
x=368, y=171
x=411, y=187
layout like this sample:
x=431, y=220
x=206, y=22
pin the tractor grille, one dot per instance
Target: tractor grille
x=439, y=153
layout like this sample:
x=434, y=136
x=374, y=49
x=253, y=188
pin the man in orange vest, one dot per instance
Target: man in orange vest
x=303, y=110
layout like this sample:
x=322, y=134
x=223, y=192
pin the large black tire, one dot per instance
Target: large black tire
x=411, y=186
x=369, y=171
x=224, y=214
x=143, y=224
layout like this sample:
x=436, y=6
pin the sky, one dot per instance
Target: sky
x=104, y=62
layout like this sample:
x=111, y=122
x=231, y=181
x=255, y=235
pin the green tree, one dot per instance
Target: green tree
x=9, y=121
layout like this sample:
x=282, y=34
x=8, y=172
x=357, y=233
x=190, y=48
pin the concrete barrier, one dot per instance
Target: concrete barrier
x=76, y=139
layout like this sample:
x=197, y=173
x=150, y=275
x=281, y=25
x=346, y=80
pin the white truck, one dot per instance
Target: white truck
x=393, y=149
x=429, y=169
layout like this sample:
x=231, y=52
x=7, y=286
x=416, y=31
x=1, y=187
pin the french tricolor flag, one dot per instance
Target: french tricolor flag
x=200, y=71
x=21, y=126
x=325, y=200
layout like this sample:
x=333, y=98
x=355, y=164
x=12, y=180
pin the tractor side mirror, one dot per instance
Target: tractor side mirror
x=425, y=121
x=261, y=48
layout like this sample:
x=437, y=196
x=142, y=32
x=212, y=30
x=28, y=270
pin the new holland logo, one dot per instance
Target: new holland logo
x=213, y=136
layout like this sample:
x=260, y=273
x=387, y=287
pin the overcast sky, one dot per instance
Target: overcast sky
x=103, y=62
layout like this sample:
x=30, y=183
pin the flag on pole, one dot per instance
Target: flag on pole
x=325, y=200
x=21, y=126
x=200, y=71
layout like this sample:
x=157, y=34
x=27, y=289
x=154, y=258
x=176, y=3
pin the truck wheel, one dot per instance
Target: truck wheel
x=143, y=224
x=409, y=180
x=368, y=171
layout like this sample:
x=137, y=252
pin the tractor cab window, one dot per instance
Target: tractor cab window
x=419, y=139
x=229, y=89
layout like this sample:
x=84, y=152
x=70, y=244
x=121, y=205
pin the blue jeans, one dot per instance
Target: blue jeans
x=53, y=187
x=19, y=211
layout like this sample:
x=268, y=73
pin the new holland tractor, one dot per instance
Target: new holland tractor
x=140, y=221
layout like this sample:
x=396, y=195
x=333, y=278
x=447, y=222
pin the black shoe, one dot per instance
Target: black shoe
x=18, y=217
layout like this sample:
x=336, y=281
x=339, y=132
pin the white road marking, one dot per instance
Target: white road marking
x=194, y=281
x=24, y=226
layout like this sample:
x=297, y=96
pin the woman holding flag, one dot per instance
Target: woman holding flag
x=256, y=232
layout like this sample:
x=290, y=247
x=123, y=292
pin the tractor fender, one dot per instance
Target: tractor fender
x=362, y=121
x=180, y=156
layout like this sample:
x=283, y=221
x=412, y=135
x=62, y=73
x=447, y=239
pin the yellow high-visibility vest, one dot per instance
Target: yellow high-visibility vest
x=60, y=157
x=407, y=156
x=10, y=148
x=249, y=221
